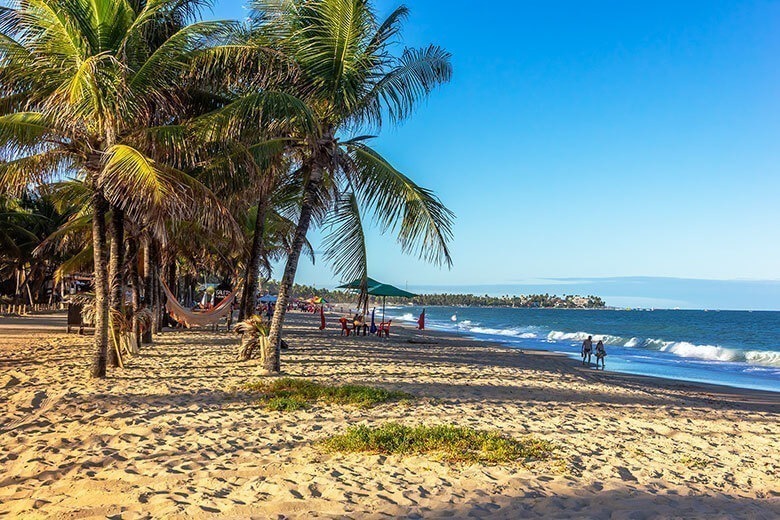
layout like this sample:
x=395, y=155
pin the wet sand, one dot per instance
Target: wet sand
x=172, y=435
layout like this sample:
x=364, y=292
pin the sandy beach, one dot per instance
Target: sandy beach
x=173, y=436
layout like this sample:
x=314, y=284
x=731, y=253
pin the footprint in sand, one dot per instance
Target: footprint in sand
x=625, y=474
x=40, y=398
x=313, y=491
x=39, y=403
x=11, y=380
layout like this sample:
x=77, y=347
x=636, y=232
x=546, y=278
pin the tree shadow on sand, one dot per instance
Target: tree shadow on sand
x=638, y=390
x=628, y=503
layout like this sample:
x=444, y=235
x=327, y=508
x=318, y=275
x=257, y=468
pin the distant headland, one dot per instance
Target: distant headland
x=541, y=301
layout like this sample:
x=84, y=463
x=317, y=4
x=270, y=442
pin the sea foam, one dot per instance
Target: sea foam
x=679, y=348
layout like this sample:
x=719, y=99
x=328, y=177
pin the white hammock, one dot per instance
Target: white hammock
x=197, y=319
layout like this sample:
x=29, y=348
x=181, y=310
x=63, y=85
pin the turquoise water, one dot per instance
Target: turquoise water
x=734, y=348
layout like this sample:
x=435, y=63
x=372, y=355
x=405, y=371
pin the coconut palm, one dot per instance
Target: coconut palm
x=349, y=78
x=252, y=131
x=86, y=85
x=25, y=224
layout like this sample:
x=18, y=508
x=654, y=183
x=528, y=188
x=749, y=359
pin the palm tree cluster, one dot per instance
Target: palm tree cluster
x=567, y=301
x=166, y=145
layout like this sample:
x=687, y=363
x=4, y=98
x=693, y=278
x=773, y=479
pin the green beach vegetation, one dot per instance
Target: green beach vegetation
x=441, y=442
x=548, y=301
x=174, y=148
x=288, y=394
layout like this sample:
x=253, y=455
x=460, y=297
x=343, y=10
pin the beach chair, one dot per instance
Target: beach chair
x=74, y=317
x=344, y=327
x=384, y=327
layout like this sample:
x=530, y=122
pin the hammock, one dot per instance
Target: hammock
x=203, y=318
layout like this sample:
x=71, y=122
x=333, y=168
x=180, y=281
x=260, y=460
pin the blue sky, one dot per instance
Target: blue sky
x=593, y=139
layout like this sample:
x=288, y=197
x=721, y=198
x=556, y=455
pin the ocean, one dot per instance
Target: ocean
x=733, y=348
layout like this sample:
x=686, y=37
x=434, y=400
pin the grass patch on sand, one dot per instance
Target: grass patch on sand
x=285, y=404
x=448, y=443
x=694, y=462
x=289, y=394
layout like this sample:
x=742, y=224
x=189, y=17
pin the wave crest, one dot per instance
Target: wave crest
x=679, y=348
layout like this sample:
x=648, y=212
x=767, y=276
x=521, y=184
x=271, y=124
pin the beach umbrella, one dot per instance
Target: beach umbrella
x=373, y=328
x=317, y=300
x=384, y=290
x=355, y=284
x=421, y=321
x=268, y=298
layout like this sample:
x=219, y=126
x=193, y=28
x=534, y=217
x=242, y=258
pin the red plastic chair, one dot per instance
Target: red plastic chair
x=344, y=327
x=384, y=327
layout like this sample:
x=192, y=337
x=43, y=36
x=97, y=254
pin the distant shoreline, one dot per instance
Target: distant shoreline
x=606, y=308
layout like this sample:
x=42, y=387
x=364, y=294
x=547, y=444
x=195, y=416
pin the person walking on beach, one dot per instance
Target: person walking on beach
x=600, y=355
x=587, y=349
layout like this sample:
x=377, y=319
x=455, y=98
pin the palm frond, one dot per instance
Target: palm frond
x=171, y=144
x=412, y=78
x=389, y=29
x=24, y=131
x=423, y=224
x=64, y=236
x=18, y=174
x=239, y=169
x=345, y=245
x=79, y=262
x=243, y=63
x=71, y=196
x=166, y=65
x=147, y=190
x=272, y=111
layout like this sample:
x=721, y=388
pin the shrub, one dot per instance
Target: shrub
x=449, y=443
x=285, y=404
x=305, y=391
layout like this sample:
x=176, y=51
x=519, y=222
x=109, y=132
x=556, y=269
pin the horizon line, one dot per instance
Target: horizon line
x=537, y=281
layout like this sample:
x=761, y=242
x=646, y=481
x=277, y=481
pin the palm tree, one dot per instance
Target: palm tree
x=25, y=224
x=252, y=131
x=349, y=79
x=86, y=85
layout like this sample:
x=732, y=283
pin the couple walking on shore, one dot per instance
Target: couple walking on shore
x=587, y=351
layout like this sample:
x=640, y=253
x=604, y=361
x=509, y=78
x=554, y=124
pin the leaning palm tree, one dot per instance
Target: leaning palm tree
x=83, y=86
x=350, y=79
x=252, y=131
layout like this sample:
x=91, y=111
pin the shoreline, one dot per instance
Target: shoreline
x=173, y=434
x=766, y=396
x=647, y=362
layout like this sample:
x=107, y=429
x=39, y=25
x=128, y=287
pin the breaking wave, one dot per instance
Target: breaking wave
x=519, y=332
x=679, y=348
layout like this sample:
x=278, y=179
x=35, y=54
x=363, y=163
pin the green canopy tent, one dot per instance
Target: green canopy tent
x=357, y=285
x=384, y=290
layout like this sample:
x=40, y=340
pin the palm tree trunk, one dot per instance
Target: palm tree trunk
x=271, y=351
x=116, y=261
x=252, y=286
x=148, y=286
x=170, y=279
x=162, y=274
x=135, y=283
x=99, y=210
x=156, y=295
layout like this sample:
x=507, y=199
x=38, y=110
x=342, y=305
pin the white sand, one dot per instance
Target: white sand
x=169, y=437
